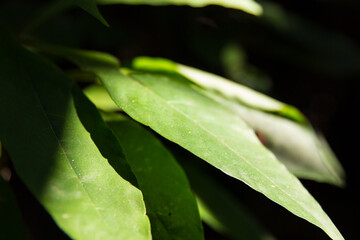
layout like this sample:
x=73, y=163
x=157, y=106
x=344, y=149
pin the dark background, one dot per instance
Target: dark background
x=305, y=53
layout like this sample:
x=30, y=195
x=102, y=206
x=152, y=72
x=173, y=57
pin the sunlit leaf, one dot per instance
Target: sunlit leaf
x=219, y=207
x=176, y=109
x=249, y=6
x=90, y=7
x=101, y=98
x=229, y=89
x=170, y=203
x=55, y=156
x=304, y=152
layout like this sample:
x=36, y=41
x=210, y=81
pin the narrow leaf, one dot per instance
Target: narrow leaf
x=56, y=158
x=218, y=206
x=227, y=88
x=249, y=6
x=176, y=109
x=170, y=203
x=305, y=153
x=90, y=7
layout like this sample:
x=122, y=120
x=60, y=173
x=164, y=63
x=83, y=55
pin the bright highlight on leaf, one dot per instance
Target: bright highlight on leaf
x=249, y=6
x=287, y=132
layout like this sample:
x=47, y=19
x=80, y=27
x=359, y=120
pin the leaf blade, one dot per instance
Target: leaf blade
x=171, y=205
x=55, y=156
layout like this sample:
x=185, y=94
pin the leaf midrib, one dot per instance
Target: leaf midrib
x=222, y=142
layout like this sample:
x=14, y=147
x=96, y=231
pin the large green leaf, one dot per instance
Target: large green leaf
x=176, y=109
x=170, y=203
x=90, y=7
x=249, y=6
x=200, y=125
x=305, y=153
x=56, y=158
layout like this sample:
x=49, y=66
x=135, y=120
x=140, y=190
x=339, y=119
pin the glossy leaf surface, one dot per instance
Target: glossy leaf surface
x=181, y=114
x=55, y=156
x=218, y=206
x=170, y=203
x=304, y=152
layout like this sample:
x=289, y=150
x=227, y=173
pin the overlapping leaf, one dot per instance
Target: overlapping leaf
x=177, y=110
x=55, y=156
x=170, y=203
x=294, y=142
x=218, y=206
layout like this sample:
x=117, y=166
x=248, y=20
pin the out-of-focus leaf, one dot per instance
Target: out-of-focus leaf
x=219, y=208
x=249, y=6
x=229, y=89
x=101, y=98
x=312, y=46
x=233, y=59
x=55, y=156
x=90, y=7
x=304, y=152
x=170, y=203
x=175, y=108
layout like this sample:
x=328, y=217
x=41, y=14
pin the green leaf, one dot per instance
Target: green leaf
x=176, y=109
x=218, y=206
x=304, y=152
x=249, y=6
x=101, y=98
x=56, y=158
x=307, y=155
x=170, y=203
x=227, y=88
x=90, y=7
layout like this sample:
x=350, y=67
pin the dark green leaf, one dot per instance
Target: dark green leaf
x=56, y=158
x=90, y=7
x=171, y=205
